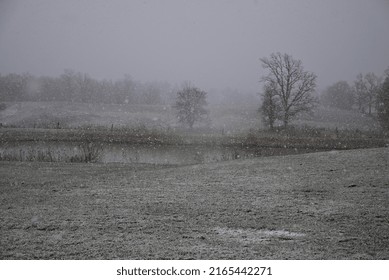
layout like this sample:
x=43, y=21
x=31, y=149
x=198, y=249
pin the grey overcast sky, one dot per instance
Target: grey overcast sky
x=212, y=43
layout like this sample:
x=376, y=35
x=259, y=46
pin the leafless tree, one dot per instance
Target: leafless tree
x=373, y=86
x=339, y=95
x=360, y=93
x=366, y=88
x=383, y=103
x=291, y=84
x=270, y=105
x=190, y=105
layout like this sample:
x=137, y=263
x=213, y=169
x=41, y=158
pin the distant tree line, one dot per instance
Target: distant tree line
x=288, y=91
x=383, y=103
x=362, y=94
x=73, y=86
x=369, y=94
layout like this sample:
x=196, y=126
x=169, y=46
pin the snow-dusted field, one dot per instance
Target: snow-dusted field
x=75, y=115
x=329, y=205
x=223, y=118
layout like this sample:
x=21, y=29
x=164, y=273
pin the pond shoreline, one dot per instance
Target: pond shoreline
x=144, y=146
x=78, y=151
x=262, y=139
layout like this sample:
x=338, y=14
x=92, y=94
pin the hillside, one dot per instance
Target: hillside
x=329, y=205
x=227, y=119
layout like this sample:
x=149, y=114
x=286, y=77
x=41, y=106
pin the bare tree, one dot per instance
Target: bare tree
x=190, y=105
x=291, y=84
x=373, y=86
x=383, y=103
x=360, y=92
x=339, y=95
x=366, y=88
x=270, y=106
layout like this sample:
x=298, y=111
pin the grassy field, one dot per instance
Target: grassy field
x=76, y=115
x=329, y=205
x=325, y=128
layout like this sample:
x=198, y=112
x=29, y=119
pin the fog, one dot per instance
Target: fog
x=214, y=44
x=139, y=129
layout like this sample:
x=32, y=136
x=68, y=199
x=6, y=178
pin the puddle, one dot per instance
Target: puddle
x=255, y=236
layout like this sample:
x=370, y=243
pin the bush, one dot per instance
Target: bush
x=91, y=151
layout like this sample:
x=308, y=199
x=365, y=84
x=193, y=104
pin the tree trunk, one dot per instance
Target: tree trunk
x=286, y=120
x=271, y=124
x=191, y=122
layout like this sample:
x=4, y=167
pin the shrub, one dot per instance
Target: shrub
x=91, y=151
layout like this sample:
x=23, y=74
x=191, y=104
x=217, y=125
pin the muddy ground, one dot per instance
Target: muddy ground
x=329, y=205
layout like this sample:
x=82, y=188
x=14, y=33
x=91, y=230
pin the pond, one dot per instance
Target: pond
x=133, y=153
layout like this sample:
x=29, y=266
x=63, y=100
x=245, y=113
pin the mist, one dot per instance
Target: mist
x=213, y=44
x=194, y=129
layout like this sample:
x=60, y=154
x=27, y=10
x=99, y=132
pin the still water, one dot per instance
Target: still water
x=132, y=153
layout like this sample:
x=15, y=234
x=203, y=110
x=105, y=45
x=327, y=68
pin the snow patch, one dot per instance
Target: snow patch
x=253, y=235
